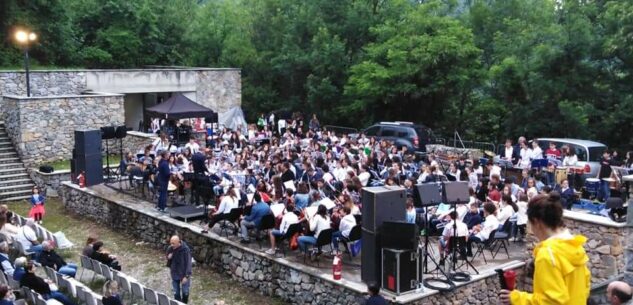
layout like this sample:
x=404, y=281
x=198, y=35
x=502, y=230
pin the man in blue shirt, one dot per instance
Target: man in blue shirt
x=260, y=209
x=163, y=180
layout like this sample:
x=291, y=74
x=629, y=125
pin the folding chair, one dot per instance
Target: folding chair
x=501, y=239
x=13, y=283
x=460, y=253
x=267, y=223
x=124, y=284
x=234, y=216
x=39, y=300
x=90, y=299
x=354, y=235
x=50, y=273
x=481, y=246
x=106, y=271
x=150, y=296
x=174, y=302
x=292, y=230
x=137, y=291
x=325, y=238
x=162, y=299
x=3, y=279
x=81, y=294
x=86, y=264
x=28, y=295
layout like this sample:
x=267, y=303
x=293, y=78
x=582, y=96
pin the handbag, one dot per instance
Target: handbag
x=294, y=242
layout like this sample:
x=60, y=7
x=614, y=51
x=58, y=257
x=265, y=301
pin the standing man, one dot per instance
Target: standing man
x=179, y=262
x=604, y=192
x=163, y=180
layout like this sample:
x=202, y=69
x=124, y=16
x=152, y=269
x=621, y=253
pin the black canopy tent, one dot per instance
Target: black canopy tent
x=179, y=107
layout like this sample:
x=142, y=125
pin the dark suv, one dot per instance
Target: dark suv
x=413, y=136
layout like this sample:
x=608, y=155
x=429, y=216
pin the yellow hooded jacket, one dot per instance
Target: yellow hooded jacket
x=561, y=276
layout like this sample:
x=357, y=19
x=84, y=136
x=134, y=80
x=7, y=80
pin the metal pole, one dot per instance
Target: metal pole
x=26, y=67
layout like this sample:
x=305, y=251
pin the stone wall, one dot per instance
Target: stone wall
x=219, y=90
x=43, y=83
x=52, y=180
x=294, y=283
x=42, y=128
x=136, y=141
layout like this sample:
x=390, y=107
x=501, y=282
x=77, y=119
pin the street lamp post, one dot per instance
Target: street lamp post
x=24, y=38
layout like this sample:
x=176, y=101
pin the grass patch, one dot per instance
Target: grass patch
x=65, y=164
x=139, y=260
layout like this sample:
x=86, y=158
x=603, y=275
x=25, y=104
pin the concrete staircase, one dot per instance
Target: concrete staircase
x=15, y=183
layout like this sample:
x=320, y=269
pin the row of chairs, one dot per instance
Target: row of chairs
x=499, y=239
x=44, y=234
x=129, y=286
x=268, y=222
x=74, y=288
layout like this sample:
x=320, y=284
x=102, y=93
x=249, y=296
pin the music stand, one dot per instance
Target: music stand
x=430, y=195
x=456, y=193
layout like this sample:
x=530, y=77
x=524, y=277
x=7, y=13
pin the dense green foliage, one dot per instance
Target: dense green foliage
x=487, y=68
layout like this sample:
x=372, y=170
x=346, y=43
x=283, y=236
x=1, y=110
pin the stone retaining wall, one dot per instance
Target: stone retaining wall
x=297, y=284
x=135, y=141
x=43, y=83
x=52, y=180
x=42, y=128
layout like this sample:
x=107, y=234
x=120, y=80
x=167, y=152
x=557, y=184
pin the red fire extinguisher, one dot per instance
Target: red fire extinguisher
x=337, y=267
x=82, y=180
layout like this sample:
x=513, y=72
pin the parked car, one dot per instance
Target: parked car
x=413, y=136
x=588, y=152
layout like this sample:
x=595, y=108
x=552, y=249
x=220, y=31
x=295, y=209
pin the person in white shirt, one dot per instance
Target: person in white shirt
x=570, y=158
x=192, y=145
x=287, y=220
x=281, y=126
x=318, y=222
x=473, y=180
x=27, y=237
x=524, y=153
x=522, y=218
x=345, y=227
x=162, y=143
x=481, y=233
x=364, y=174
x=229, y=201
x=536, y=152
x=449, y=232
x=506, y=210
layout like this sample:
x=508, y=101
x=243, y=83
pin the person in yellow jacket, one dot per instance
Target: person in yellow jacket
x=561, y=276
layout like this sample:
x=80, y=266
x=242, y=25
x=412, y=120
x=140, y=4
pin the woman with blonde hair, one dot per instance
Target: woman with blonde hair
x=111, y=293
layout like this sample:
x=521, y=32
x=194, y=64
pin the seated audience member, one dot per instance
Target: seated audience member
x=374, y=295
x=566, y=194
x=449, y=232
x=345, y=227
x=5, y=262
x=289, y=218
x=473, y=218
x=111, y=293
x=229, y=202
x=50, y=258
x=87, y=251
x=19, y=271
x=618, y=293
x=41, y=286
x=507, y=208
x=411, y=212
x=260, y=209
x=7, y=229
x=104, y=256
x=6, y=295
x=482, y=232
x=319, y=222
x=27, y=237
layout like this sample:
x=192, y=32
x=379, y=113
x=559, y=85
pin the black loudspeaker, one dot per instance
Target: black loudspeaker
x=212, y=119
x=107, y=132
x=400, y=270
x=399, y=235
x=370, y=258
x=380, y=204
x=87, y=142
x=121, y=132
x=91, y=165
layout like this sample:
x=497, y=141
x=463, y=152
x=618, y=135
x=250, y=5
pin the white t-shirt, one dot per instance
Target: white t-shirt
x=227, y=204
x=25, y=236
x=462, y=229
x=522, y=213
x=346, y=225
x=318, y=224
x=364, y=178
x=193, y=147
x=505, y=213
x=490, y=224
x=289, y=218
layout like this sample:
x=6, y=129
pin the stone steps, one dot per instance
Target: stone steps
x=11, y=165
x=15, y=198
x=9, y=171
x=8, y=154
x=6, y=148
x=12, y=195
x=12, y=189
x=5, y=160
x=4, y=177
x=15, y=182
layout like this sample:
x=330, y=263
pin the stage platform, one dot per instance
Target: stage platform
x=244, y=262
x=186, y=212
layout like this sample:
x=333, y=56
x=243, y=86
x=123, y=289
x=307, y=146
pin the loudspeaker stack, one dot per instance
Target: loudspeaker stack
x=87, y=156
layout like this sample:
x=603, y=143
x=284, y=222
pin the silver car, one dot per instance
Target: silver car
x=588, y=152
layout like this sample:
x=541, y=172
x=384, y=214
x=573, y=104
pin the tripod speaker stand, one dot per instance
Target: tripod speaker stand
x=430, y=195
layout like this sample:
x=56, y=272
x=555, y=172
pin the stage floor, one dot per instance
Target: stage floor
x=351, y=267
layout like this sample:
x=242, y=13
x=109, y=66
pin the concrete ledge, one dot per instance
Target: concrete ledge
x=590, y=218
x=23, y=98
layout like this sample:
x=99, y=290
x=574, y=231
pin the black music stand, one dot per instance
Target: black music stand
x=456, y=193
x=430, y=195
